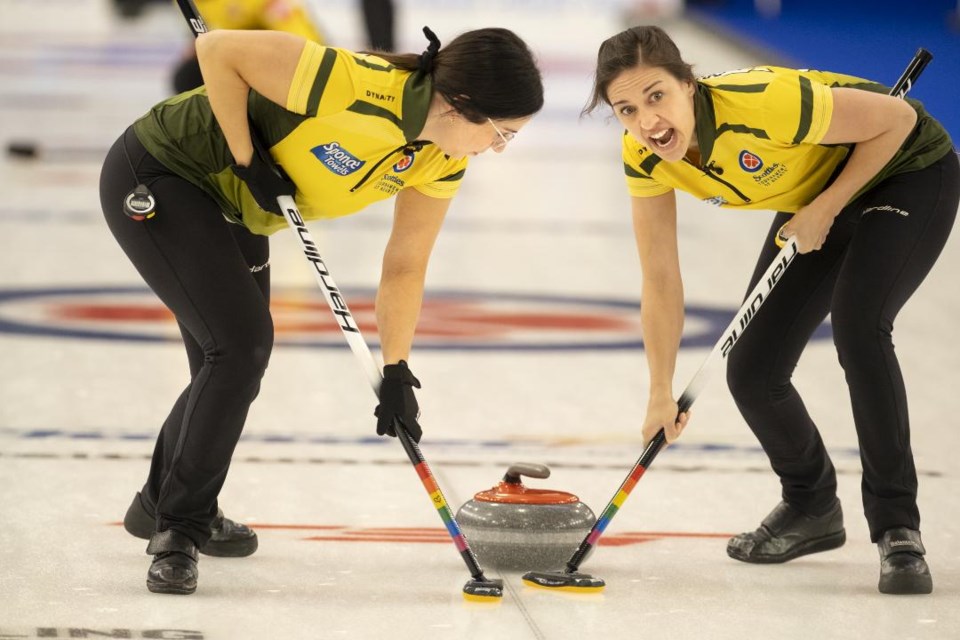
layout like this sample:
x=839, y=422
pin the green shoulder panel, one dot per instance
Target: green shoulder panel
x=183, y=135
x=273, y=122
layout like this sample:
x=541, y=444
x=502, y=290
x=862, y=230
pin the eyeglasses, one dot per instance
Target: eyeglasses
x=501, y=144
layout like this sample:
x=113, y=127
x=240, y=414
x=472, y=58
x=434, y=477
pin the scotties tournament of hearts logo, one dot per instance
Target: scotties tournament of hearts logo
x=749, y=162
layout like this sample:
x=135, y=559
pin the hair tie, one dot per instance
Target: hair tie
x=426, y=58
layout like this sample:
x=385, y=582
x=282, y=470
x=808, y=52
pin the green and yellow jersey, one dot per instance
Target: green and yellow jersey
x=347, y=138
x=759, y=133
x=275, y=15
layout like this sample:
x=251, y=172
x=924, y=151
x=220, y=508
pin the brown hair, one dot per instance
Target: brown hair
x=484, y=73
x=646, y=45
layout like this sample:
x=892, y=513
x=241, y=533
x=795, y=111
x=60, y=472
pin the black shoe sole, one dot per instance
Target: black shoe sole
x=901, y=585
x=814, y=545
x=140, y=524
x=231, y=548
x=163, y=587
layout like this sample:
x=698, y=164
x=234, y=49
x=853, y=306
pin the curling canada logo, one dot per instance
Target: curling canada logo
x=749, y=162
x=337, y=159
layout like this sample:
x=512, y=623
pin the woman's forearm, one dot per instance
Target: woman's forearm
x=876, y=145
x=398, y=303
x=866, y=161
x=661, y=317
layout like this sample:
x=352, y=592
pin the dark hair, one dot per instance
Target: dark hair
x=484, y=73
x=646, y=45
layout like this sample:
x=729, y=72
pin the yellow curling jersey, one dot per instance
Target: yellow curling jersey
x=759, y=131
x=347, y=138
x=276, y=15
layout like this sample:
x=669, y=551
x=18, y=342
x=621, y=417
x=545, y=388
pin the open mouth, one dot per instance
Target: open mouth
x=663, y=139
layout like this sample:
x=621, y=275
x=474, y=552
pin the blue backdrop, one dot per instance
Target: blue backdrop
x=873, y=39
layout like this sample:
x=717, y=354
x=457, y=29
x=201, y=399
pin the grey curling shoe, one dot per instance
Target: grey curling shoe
x=228, y=539
x=902, y=567
x=786, y=534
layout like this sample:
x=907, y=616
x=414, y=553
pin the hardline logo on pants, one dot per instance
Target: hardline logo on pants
x=886, y=207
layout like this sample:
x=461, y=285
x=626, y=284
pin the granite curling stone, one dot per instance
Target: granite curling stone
x=514, y=527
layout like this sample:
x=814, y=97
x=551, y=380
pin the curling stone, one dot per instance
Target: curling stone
x=513, y=527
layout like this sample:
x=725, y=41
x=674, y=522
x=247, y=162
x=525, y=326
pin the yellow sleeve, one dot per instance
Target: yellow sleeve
x=797, y=108
x=290, y=16
x=448, y=185
x=639, y=184
x=276, y=15
x=230, y=14
x=322, y=83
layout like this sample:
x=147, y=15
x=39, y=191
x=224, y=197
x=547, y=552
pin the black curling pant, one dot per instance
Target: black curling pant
x=212, y=275
x=877, y=253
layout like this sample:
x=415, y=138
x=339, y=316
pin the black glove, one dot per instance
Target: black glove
x=265, y=184
x=397, y=401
